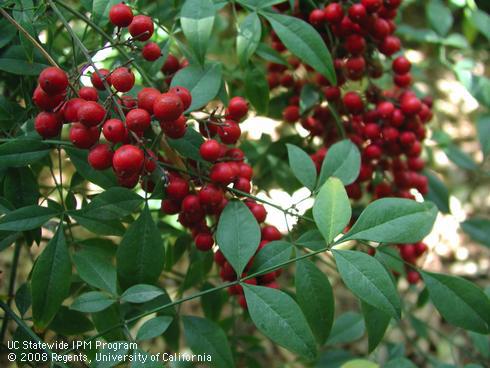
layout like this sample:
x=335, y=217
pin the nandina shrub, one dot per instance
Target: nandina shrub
x=127, y=169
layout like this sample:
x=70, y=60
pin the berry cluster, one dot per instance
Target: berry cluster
x=388, y=126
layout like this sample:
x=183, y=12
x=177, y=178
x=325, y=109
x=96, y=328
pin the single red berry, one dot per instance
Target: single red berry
x=168, y=107
x=210, y=150
x=317, y=17
x=174, y=129
x=89, y=93
x=138, y=120
x=97, y=81
x=100, y=157
x=372, y=6
x=171, y=65
x=120, y=15
x=334, y=13
x=271, y=233
x=210, y=196
x=230, y=132
x=48, y=124
x=380, y=29
x=141, y=28
x=191, y=206
x=204, y=242
x=355, y=44
x=183, y=94
x=390, y=45
x=129, y=181
x=332, y=93
x=222, y=173
x=420, y=248
x=170, y=207
x=411, y=106
x=353, y=102
x=401, y=65
x=372, y=131
x=91, y=113
x=413, y=277
x=385, y=109
x=245, y=171
x=407, y=138
x=122, y=79
x=53, y=80
x=44, y=101
x=147, y=97
x=372, y=152
x=114, y=131
x=259, y=212
x=82, y=136
x=291, y=114
x=237, y=108
x=70, y=109
x=357, y=13
x=128, y=160
x=242, y=184
x=151, y=51
x=177, y=189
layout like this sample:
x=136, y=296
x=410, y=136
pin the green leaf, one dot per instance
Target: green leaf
x=22, y=152
x=332, y=211
x=197, y=19
x=79, y=158
x=343, y=160
x=140, y=256
x=68, y=322
x=96, y=271
x=366, y=277
x=376, y=322
x=478, y=229
x=7, y=32
x=347, y=328
x=204, y=83
x=359, y=363
x=312, y=284
x=100, y=10
x=27, y=218
x=438, y=192
x=439, y=16
x=483, y=126
x=238, y=235
x=309, y=97
x=394, y=220
x=112, y=204
x=248, y=38
x=10, y=112
x=312, y=239
x=257, y=89
x=278, y=317
x=23, y=298
x=141, y=293
x=259, y=4
x=302, y=166
x=304, y=41
x=188, y=146
x=50, y=281
x=205, y=337
x=21, y=66
x=98, y=226
x=459, y=301
x=91, y=302
x=399, y=363
x=20, y=187
x=482, y=21
x=460, y=158
x=268, y=53
x=273, y=254
x=153, y=328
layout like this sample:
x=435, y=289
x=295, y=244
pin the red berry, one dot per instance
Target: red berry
x=411, y=106
x=403, y=80
x=122, y=79
x=171, y=65
x=317, y=17
x=147, y=97
x=44, y=101
x=91, y=113
x=271, y=233
x=114, y=131
x=372, y=152
x=177, y=189
x=88, y=93
x=204, y=242
x=48, y=124
x=413, y=277
x=128, y=160
x=129, y=181
x=141, y=28
x=53, y=80
x=222, y=173
x=390, y=45
x=332, y=93
x=120, y=15
x=401, y=65
x=100, y=157
x=70, y=109
x=230, y=132
x=97, y=82
x=357, y=13
x=138, y=120
x=355, y=44
x=246, y=171
x=334, y=13
x=210, y=150
x=237, y=108
x=151, y=51
x=385, y=109
x=242, y=184
x=407, y=138
x=82, y=136
x=372, y=6
x=210, y=196
x=174, y=129
x=183, y=94
x=168, y=107
x=291, y=114
x=170, y=207
x=259, y=212
x=372, y=131
x=353, y=103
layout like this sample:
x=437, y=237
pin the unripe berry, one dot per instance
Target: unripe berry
x=88, y=93
x=237, y=108
x=91, y=113
x=210, y=150
x=183, y=94
x=141, y=28
x=122, y=79
x=97, y=82
x=114, y=131
x=121, y=15
x=168, y=107
x=138, y=120
x=151, y=51
x=53, y=80
x=82, y=136
x=100, y=157
x=128, y=160
x=48, y=124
